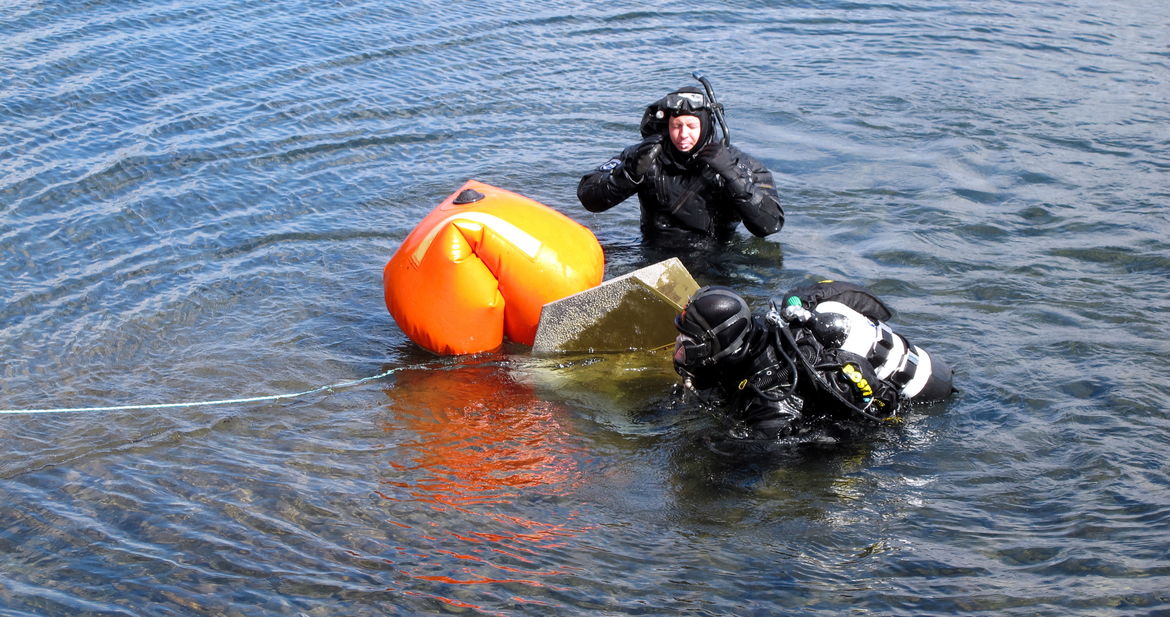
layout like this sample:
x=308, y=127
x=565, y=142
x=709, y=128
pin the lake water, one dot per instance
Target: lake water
x=197, y=199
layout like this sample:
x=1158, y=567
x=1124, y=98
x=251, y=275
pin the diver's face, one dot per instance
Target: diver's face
x=684, y=132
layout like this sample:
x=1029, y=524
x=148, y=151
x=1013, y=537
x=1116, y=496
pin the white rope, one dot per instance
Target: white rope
x=233, y=401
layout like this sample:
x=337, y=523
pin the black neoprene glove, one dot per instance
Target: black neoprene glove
x=720, y=159
x=645, y=158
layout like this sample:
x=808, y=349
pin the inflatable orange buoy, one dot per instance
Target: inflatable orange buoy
x=481, y=265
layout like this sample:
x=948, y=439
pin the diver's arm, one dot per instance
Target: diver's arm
x=610, y=184
x=753, y=192
x=759, y=206
x=773, y=417
x=750, y=187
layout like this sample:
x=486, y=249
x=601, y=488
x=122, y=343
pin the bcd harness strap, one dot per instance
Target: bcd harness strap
x=881, y=352
x=905, y=373
x=881, y=349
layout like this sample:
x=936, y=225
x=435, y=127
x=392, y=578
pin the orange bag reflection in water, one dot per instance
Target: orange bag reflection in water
x=481, y=265
x=484, y=449
x=482, y=432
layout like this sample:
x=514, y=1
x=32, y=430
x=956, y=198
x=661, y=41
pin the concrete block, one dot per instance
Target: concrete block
x=631, y=312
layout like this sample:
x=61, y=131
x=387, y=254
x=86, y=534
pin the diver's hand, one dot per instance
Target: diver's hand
x=645, y=158
x=720, y=159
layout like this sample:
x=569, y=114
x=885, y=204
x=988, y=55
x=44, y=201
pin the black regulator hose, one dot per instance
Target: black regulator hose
x=820, y=381
x=774, y=340
x=716, y=107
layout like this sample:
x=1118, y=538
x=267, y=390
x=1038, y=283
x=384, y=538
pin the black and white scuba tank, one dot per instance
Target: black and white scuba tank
x=917, y=375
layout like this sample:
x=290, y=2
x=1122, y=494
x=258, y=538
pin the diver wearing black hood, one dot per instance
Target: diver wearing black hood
x=691, y=186
x=822, y=358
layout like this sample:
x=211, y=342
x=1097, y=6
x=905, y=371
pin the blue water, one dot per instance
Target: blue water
x=197, y=199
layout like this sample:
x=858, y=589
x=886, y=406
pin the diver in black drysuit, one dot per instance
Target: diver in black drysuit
x=820, y=358
x=688, y=197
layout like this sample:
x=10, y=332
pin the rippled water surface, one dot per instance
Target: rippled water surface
x=197, y=199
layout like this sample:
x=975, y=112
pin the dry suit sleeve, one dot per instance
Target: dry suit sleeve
x=609, y=184
x=753, y=192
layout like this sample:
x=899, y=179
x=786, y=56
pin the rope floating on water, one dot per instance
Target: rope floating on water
x=232, y=401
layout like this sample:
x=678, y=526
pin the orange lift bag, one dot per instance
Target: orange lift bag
x=481, y=265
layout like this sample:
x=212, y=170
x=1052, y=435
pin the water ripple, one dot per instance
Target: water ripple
x=196, y=201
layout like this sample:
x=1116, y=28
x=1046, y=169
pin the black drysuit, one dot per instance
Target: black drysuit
x=683, y=199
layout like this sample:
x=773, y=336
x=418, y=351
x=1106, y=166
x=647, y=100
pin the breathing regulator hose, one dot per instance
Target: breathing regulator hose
x=783, y=338
x=772, y=319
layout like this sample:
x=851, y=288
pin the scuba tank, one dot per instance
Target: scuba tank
x=915, y=374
